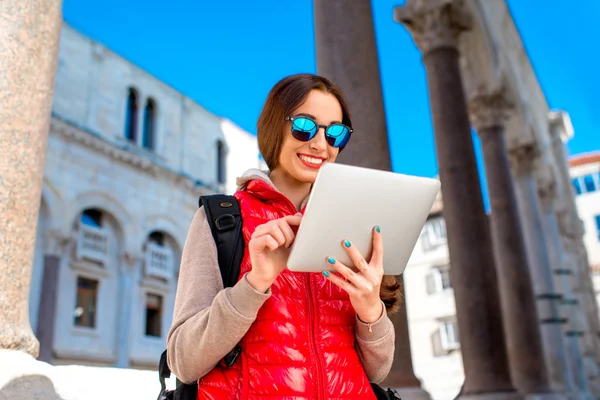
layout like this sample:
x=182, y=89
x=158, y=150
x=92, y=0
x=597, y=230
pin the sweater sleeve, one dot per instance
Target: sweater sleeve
x=208, y=320
x=375, y=346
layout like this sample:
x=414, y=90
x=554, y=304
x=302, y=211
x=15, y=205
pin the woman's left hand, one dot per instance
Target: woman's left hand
x=363, y=280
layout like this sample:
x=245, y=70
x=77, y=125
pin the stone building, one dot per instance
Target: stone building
x=127, y=158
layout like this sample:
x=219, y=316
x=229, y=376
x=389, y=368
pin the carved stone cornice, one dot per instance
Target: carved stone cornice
x=434, y=23
x=489, y=108
x=140, y=159
x=522, y=158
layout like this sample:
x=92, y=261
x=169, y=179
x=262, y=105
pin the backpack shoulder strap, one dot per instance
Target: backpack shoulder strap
x=225, y=221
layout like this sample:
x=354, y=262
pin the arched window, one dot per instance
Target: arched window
x=148, y=139
x=131, y=116
x=221, y=170
x=92, y=217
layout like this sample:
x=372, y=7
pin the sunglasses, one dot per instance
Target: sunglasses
x=305, y=129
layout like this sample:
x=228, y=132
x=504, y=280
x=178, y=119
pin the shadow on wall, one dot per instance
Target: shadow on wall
x=31, y=387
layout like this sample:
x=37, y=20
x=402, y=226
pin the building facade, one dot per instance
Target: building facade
x=127, y=159
x=585, y=172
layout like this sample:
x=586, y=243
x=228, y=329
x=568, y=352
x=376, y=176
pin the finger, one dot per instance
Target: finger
x=293, y=220
x=278, y=235
x=287, y=231
x=377, y=257
x=265, y=242
x=356, y=279
x=336, y=280
x=262, y=230
x=357, y=259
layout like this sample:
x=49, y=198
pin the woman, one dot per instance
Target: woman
x=302, y=335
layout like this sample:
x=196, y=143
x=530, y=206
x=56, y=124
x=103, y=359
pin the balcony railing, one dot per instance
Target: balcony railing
x=92, y=243
x=159, y=261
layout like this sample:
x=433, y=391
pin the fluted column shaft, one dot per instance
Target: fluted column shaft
x=489, y=112
x=435, y=26
x=548, y=297
x=29, y=35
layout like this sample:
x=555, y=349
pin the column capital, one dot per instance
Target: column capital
x=548, y=193
x=55, y=242
x=129, y=261
x=434, y=23
x=522, y=158
x=489, y=108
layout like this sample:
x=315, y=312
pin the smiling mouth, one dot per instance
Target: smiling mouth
x=312, y=162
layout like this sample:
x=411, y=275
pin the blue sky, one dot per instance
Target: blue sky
x=226, y=55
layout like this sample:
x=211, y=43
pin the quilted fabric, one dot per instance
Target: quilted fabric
x=302, y=344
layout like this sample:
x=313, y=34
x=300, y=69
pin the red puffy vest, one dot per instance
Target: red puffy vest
x=302, y=343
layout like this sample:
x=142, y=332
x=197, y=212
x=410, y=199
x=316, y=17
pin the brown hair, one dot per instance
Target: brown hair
x=287, y=95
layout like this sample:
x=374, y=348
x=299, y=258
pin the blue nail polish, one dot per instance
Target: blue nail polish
x=326, y=274
x=330, y=260
x=347, y=243
x=377, y=229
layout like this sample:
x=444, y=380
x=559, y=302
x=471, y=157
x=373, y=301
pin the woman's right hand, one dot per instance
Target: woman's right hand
x=269, y=250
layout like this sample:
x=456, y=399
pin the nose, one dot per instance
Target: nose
x=319, y=143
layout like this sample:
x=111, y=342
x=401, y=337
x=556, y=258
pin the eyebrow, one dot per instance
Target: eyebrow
x=315, y=118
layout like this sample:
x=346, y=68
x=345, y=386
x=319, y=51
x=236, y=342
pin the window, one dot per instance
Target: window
x=157, y=238
x=148, y=139
x=449, y=335
x=92, y=218
x=577, y=186
x=590, y=185
x=598, y=226
x=444, y=338
x=131, y=116
x=221, y=178
x=433, y=234
x=587, y=183
x=153, y=315
x=85, y=303
x=438, y=279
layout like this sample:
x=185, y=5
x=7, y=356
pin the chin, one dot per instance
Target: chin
x=306, y=177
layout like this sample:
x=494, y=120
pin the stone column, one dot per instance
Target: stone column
x=570, y=226
x=347, y=53
x=402, y=376
x=576, y=324
x=55, y=245
x=128, y=264
x=28, y=55
x=435, y=26
x=548, y=298
x=489, y=112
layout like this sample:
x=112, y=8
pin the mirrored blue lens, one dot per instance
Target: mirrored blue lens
x=338, y=135
x=304, y=125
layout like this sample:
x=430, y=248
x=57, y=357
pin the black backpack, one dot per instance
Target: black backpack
x=225, y=221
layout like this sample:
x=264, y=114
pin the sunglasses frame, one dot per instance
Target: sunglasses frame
x=319, y=126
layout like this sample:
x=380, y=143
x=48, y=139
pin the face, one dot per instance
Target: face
x=302, y=160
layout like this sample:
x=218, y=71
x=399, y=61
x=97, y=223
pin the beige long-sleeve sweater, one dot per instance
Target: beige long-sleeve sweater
x=209, y=321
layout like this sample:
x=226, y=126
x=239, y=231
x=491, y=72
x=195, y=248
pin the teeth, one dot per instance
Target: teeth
x=312, y=160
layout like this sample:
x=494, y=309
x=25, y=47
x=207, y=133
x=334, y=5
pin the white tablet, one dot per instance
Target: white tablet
x=346, y=202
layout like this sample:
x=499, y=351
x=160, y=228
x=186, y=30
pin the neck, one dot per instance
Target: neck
x=290, y=187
